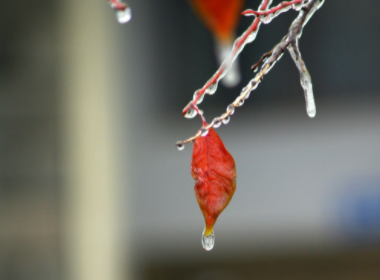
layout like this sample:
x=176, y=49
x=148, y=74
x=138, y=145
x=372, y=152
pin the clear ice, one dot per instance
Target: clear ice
x=305, y=81
x=124, y=16
x=208, y=241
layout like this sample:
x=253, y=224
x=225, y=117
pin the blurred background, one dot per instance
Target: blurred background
x=92, y=186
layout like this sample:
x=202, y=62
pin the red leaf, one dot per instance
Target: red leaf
x=220, y=16
x=213, y=168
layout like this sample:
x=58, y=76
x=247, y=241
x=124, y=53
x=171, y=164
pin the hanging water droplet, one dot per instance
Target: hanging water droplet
x=217, y=123
x=123, y=16
x=241, y=102
x=191, y=113
x=204, y=132
x=254, y=85
x=252, y=36
x=208, y=241
x=247, y=96
x=231, y=109
x=201, y=97
x=212, y=88
x=180, y=146
x=226, y=120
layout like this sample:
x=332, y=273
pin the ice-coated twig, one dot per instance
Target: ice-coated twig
x=267, y=16
x=305, y=79
x=211, y=85
x=290, y=42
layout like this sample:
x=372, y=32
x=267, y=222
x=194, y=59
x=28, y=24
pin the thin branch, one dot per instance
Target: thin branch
x=264, y=57
x=290, y=42
x=210, y=87
x=283, y=7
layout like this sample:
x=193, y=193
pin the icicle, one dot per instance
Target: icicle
x=123, y=16
x=305, y=80
x=122, y=10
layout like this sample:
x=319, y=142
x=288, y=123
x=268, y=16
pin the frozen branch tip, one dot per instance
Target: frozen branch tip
x=290, y=42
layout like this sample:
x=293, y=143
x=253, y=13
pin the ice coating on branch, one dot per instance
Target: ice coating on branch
x=305, y=80
x=232, y=77
x=191, y=113
x=315, y=7
x=195, y=96
x=247, y=37
x=267, y=17
x=268, y=60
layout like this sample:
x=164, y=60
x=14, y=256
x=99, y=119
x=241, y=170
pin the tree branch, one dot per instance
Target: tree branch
x=210, y=87
x=290, y=42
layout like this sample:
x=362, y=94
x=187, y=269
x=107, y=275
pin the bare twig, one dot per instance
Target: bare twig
x=283, y=7
x=290, y=42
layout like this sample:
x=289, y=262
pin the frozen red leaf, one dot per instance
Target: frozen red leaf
x=213, y=169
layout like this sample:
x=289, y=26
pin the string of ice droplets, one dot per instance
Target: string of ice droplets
x=123, y=11
x=211, y=85
x=290, y=42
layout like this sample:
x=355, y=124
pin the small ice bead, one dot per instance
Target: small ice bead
x=123, y=16
x=217, y=123
x=180, y=146
x=195, y=96
x=204, y=132
x=191, y=113
x=231, y=109
x=226, y=120
x=212, y=88
x=254, y=85
x=208, y=241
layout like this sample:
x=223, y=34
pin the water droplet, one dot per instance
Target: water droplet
x=251, y=37
x=180, y=146
x=124, y=16
x=191, y=113
x=241, y=102
x=254, y=85
x=212, y=88
x=200, y=97
x=217, y=123
x=231, y=109
x=226, y=120
x=247, y=96
x=204, y=132
x=208, y=241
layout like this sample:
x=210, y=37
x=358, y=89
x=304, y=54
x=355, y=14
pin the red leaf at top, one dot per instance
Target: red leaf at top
x=213, y=168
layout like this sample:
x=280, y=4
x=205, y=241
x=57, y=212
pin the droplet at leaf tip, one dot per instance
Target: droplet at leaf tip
x=208, y=240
